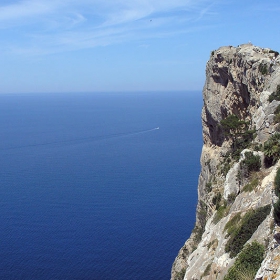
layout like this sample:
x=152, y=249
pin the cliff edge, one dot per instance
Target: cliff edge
x=237, y=233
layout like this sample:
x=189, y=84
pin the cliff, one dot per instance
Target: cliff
x=236, y=235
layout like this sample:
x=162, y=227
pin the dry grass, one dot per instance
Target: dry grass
x=246, y=274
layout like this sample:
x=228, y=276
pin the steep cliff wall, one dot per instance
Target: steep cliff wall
x=236, y=184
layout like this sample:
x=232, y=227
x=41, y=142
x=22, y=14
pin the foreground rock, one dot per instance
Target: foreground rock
x=239, y=82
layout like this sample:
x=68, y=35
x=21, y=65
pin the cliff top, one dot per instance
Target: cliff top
x=239, y=161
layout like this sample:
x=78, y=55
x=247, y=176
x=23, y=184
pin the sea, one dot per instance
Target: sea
x=97, y=185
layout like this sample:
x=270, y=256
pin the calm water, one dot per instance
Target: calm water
x=91, y=190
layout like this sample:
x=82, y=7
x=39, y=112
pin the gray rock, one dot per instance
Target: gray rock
x=234, y=85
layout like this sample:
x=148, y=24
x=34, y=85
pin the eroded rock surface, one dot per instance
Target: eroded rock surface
x=239, y=81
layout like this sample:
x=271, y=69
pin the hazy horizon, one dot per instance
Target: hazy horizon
x=152, y=45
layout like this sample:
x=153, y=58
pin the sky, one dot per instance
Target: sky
x=124, y=45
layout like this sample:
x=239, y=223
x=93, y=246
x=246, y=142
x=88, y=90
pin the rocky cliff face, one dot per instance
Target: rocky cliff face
x=236, y=184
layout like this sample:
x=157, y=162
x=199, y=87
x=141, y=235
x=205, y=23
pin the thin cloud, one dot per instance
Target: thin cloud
x=55, y=26
x=24, y=9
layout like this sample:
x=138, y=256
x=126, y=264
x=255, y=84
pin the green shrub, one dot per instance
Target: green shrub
x=277, y=110
x=198, y=232
x=213, y=244
x=232, y=124
x=275, y=95
x=180, y=275
x=263, y=69
x=277, y=128
x=247, y=263
x=277, y=183
x=276, y=212
x=208, y=187
x=207, y=270
x=272, y=149
x=276, y=118
x=202, y=219
x=251, y=162
x=233, y=224
x=258, y=147
x=217, y=199
x=225, y=168
x=237, y=130
x=251, y=186
x=243, y=232
x=221, y=212
x=202, y=213
x=231, y=198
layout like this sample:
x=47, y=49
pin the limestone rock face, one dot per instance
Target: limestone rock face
x=239, y=81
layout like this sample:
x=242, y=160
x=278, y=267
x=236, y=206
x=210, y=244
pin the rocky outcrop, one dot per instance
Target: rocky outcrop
x=239, y=81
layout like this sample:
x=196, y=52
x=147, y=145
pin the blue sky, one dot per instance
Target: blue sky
x=123, y=45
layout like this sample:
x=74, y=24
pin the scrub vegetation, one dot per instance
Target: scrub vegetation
x=272, y=149
x=247, y=263
x=276, y=210
x=240, y=232
x=237, y=130
x=275, y=95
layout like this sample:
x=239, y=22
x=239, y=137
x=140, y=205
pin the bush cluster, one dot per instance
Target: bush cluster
x=272, y=149
x=247, y=263
x=257, y=147
x=251, y=186
x=221, y=212
x=276, y=210
x=207, y=270
x=202, y=219
x=198, y=232
x=231, y=198
x=275, y=95
x=221, y=207
x=276, y=118
x=213, y=244
x=237, y=130
x=208, y=187
x=180, y=275
x=226, y=165
x=277, y=183
x=232, y=123
x=242, y=232
x=263, y=69
x=233, y=224
x=250, y=163
x=216, y=200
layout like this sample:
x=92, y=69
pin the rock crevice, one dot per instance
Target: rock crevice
x=239, y=82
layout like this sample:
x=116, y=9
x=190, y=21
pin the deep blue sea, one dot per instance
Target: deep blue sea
x=91, y=189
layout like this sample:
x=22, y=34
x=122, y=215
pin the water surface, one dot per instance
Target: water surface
x=90, y=189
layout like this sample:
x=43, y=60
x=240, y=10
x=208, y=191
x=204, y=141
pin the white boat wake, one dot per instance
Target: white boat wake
x=81, y=140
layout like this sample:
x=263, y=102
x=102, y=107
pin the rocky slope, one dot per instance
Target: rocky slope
x=236, y=191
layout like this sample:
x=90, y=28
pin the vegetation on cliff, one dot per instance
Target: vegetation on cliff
x=241, y=231
x=275, y=95
x=276, y=210
x=180, y=275
x=263, y=69
x=272, y=149
x=247, y=263
x=241, y=133
x=249, y=164
x=237, y=130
